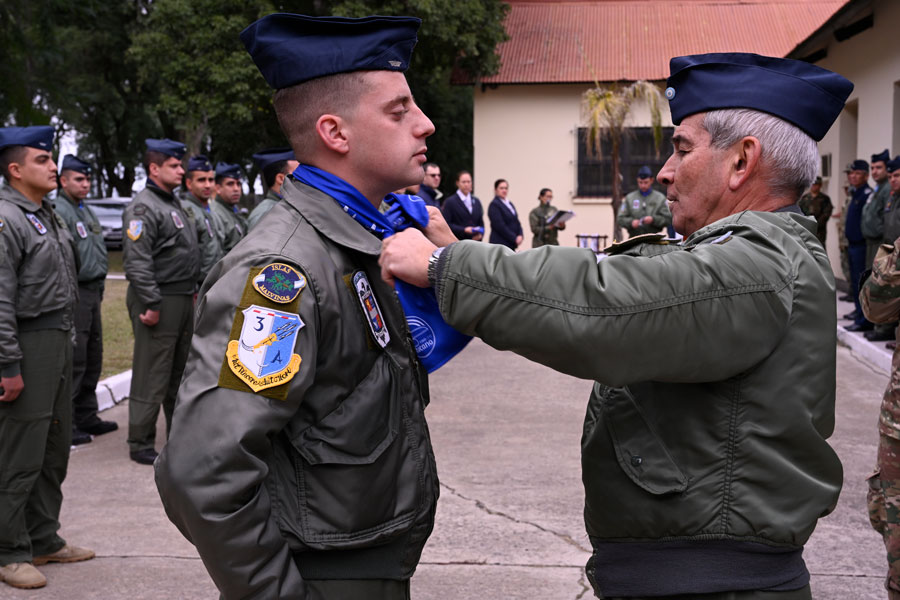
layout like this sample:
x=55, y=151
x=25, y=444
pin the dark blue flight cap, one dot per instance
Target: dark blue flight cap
x=859, y=165
x=884, y=156
x=264, y=158
x=39, y=136
x=893, y=165
x=225, y=170
x=199, y=163
x=644, y=172
x=167, y=147
x=808, y=96
x=73, y=163
x=289, y=49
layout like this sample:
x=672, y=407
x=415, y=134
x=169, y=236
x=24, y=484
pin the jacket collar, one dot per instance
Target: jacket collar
x=326, y=215
x=8, y=192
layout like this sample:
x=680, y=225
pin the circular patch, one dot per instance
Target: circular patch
x=670, y=93
x=279, y=283
x=422, y=335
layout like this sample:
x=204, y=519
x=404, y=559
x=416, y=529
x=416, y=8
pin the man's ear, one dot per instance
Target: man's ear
x=15, y=170
x=745, y=161
x=332, y=131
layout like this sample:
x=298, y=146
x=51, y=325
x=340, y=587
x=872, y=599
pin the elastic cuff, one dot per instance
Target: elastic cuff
x=439, y=269
x=10, y=370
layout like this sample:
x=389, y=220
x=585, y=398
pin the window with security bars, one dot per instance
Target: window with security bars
x=595, y=175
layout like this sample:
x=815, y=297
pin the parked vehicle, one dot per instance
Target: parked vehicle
x=109, y=212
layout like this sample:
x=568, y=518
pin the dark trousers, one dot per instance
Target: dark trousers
x=357, y=589
x=160, y=353
x=801, y=594
x=35, y=435
x=87, y=361
x=856, y=253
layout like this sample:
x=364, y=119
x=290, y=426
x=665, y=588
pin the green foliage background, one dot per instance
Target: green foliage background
x=119, y=71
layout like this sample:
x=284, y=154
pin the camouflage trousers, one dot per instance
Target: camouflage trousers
x=884, y=507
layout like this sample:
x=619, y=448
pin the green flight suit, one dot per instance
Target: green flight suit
x=637, y=206
x=543, y=235
x=162, y=262
x=38, y=289
x=210, y=244
x=262, y=208
x=872, y=224
x=87, y=360
x=231, y=225
x=704, y=435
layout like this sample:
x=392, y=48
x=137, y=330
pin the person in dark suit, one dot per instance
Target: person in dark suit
x=463, y=211
x=505, y=226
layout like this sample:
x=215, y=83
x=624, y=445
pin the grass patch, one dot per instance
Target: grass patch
x=115, y=262
x=118, y=340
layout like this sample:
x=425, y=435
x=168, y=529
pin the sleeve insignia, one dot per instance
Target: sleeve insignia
x=80, y=228
x=95, y=228
x=370, y=308
x=135, y=229
x=279, y=283
x=263, y=355
x=2, y=224
x=176, y=218
x=208, y=228
x=41, y=229
x=139, y=210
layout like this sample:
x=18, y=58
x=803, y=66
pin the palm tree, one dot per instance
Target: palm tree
x=606, y=109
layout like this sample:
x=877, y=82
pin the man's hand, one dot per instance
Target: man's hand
x=438, y=232
x=405, y=256
x=519, y=240
x=12, y=387
x=648, y=220
x=635, y=223
x=149, y=317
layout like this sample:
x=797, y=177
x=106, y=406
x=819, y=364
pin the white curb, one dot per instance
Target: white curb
x=113, y=390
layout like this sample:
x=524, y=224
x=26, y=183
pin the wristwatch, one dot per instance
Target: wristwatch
x=432, y=266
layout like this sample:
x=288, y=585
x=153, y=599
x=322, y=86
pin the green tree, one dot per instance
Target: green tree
x=606, y=111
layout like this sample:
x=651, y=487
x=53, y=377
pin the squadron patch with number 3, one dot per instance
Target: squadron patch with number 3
x=263, y=356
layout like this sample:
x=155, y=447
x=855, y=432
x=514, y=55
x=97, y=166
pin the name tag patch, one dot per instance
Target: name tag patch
x=81, y=229
x=176, y=218
x=370, y=309
x=41, y=229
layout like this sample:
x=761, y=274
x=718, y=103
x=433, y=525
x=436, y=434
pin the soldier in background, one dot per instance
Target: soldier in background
x=199, y=184
x=842, y=237
x=38, y=286
x=276, y=164
x=873, y=212
x=856, y=241
x=162, y=262
x=817, y=204
x=880, y=297
x=644, y=210
x=544, y=235
x=87, y=362
x=231, y=225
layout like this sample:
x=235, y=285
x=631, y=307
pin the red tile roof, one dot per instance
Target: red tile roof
x=609, y=40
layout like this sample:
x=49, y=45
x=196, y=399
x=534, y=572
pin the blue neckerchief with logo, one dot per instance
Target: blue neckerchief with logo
x=435, y=341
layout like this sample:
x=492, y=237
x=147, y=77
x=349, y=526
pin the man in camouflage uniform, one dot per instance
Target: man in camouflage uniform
x=87, y=362
x=880, y=298
x=275, y=164
x=544, y=235
x=644, y=210
x=38, y=286
x=842, y=237
x=231, y=225
x=818, y=205
x=199, y=184
x=161, y=260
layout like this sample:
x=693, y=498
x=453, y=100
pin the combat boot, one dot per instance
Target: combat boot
x=22, y=575
x=66, y=554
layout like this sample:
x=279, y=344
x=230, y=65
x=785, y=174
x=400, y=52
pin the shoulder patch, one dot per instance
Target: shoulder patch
x=135, y=229
x=647, y=238
x=279, y=282
x=41, y=228
x=138, y=210
x=2, y=225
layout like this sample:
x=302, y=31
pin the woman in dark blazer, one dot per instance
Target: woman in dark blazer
x=505, y=226
x=463, y=211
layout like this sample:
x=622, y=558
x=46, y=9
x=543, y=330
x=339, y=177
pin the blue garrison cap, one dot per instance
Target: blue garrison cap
x=893, y=165
x=226, y=170
x=859, y=165
x=199, y=163
x=644, y=172
x=167, y=147
x=39, y=136
x=808, y=96
x=73, y=163
x=289, y=49
x=884, y=156
x=264, y=158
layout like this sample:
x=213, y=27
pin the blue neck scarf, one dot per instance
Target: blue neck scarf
x=435, y=341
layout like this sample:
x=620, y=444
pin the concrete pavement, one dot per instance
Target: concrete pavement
x=506, y=434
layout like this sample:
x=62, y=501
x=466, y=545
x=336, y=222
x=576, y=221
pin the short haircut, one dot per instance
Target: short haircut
x=299, y=107
x=11, y=154
x=498, y=182
x=271, y=171
x=431, y=165
x=790, y=155
x=544, y=191
x=152, y=157
x=461, y=173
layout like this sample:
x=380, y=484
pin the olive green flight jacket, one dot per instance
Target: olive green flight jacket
x=84, y=227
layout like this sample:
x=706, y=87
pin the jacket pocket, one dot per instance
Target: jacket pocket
x=359, y=471
x=640, y=452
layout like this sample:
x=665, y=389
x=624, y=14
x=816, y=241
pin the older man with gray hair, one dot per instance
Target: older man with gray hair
x=704, y=455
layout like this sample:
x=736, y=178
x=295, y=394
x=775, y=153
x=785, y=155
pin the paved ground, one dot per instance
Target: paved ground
x=506, y=434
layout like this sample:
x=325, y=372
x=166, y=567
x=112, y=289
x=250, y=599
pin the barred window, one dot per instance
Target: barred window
x=595, y=175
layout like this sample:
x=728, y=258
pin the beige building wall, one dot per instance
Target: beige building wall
x=871, y=121
x=526, y=134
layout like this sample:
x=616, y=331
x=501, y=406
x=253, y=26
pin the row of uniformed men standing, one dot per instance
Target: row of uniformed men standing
x=173, y=237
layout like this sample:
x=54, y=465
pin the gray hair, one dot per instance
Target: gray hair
x=790, y=156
